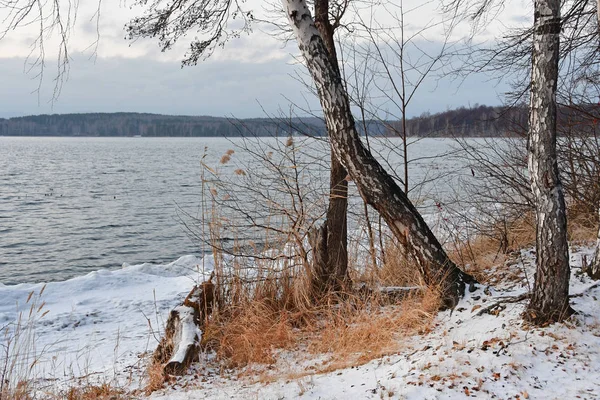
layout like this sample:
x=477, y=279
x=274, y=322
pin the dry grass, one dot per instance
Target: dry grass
x=351, y=332
x=22, y=391
x=347, y=337
x=361, y=332
x=398, y=269
x=249, y=333
x=18, y=350
x=156, y=378
x=582, y=227
x=254, y=321
x=25, y=391
x=93, y=392
x=485, y=255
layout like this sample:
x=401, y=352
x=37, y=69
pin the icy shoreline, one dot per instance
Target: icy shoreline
x=100, y=328
x=100, y=323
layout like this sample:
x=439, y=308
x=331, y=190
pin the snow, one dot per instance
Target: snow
x=105, y=324
x=190, y=334
x=489, y=356
x=99, y=324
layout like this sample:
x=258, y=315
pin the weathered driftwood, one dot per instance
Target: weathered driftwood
x=180, y=345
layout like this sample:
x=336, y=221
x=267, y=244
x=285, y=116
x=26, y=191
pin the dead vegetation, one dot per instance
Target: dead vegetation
x=256, y=319
x=486, y=254
x=263, y=300
x=96, y=392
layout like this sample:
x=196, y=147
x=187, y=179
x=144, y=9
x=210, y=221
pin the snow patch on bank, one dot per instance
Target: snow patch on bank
x=490, y=356
x=104, y=323
x=101, y=323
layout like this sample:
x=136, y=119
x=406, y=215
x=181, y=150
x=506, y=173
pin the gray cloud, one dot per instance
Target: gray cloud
x=218, y=88
x=146, y=85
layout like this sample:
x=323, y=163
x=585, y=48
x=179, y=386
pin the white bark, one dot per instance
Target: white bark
x=549, y=300
x=376, y=186
x=598, y=12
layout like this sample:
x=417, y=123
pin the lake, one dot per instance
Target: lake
x=69, y=206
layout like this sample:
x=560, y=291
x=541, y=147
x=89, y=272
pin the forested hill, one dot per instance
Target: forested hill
x=477, y=121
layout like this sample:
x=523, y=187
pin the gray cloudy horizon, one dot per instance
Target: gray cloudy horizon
x=254, y=76
x=218, y=88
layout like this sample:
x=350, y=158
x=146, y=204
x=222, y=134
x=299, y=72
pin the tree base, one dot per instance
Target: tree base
x=542, y=319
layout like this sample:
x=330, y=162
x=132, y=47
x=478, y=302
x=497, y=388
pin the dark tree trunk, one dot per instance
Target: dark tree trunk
x=550, y=298
x=593, y=270
x=331, y=265
x=376, y=186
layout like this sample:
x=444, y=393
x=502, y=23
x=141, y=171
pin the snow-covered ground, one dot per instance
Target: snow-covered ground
x=101, y=324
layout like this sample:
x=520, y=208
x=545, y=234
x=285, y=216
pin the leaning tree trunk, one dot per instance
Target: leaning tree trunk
x=550, y=299
x=593, y=270
x=376, y=186
x=330, y=267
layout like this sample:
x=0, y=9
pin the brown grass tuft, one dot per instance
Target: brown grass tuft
x=156, y=378
x=368, y=330
x=485, y=255
x=398, y=269
x=250, y=333
x=92, y=392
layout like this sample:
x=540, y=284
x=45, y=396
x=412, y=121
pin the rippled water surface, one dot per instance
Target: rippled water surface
x=72, y=205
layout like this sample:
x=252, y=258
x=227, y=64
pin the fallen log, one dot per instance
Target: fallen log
x=180, y=345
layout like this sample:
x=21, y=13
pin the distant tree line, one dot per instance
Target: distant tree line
x=134, y=124
x=477, y=121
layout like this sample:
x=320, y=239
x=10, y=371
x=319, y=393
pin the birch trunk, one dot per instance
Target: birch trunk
x=593, y=269
x=376, y=186
x=550, y=298
x=598, y=13
x=331, y=265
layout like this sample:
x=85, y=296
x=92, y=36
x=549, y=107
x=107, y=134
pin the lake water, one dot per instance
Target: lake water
x=72, y=205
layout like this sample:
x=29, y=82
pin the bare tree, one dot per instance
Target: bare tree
x=376, y=186
x=331, y=240
x=397, y=61
x=550, y=298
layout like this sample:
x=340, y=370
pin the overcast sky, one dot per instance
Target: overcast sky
x=252, y=76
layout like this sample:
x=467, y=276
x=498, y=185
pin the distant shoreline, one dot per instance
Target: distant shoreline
x=480, y=121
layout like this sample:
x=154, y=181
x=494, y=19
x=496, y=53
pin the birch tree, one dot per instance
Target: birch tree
x=376, y=186
x=550, y=297
x=536, y=49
